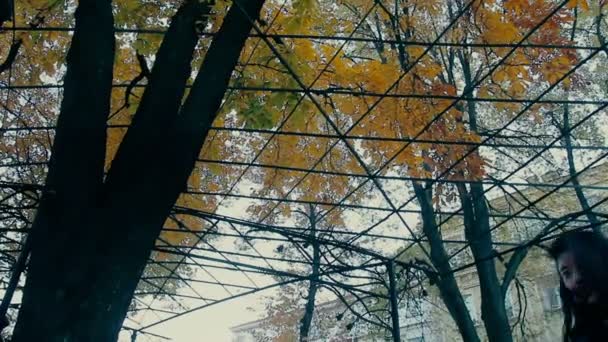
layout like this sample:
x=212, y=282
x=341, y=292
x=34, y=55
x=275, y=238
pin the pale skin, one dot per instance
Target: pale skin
x=574, y=280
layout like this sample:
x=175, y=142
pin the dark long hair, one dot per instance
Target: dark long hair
x=590, y=251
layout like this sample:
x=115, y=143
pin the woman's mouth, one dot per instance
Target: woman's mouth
x=580, y=295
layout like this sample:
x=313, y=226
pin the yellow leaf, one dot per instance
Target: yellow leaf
x=518, y=6
x=39, y=4
x=582, y=4
x=498, y=30
x=556, y=68
x=415, y=51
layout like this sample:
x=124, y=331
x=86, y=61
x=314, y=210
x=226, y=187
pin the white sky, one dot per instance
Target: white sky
x=209, y=324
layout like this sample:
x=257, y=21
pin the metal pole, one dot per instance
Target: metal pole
x=394, y=304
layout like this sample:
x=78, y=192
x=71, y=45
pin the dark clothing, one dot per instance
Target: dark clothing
x=590, y=336
x=591, y=325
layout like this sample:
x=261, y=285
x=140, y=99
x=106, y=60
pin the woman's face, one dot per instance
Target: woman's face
x=574, y=279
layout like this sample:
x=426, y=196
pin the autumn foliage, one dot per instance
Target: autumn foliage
x=326, y=95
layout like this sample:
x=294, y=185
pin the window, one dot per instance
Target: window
x=551, y=299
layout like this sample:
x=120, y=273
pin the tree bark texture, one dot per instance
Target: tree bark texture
x=313, y=285
x=580, y=195
x=479, y=237
x=446, y=282
x=92, y=237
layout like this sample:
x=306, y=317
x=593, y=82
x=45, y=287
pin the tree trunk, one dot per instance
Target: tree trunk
x=87, y=259
x=6, y=11
x=582, y=199
x=313, y=286
x=448, y=288
x=74, y=179
x=479, y=237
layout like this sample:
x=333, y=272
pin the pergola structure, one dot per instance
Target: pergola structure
x=239, y=253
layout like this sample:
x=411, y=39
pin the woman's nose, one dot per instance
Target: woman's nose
x=577, y=279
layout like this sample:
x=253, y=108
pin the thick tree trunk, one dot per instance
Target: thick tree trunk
x=75, y=176
x=80, y=284
x=448, y=288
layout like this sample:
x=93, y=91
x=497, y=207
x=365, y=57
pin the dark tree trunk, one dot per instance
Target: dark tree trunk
x=92, y=240
x=313, y=286
x=6, y=11
x=394, y=302
x=74, y=179
x=448, y=288
x=479, y=237
x=582, y=199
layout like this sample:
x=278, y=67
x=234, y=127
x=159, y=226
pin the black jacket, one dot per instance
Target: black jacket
x=591, y=327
